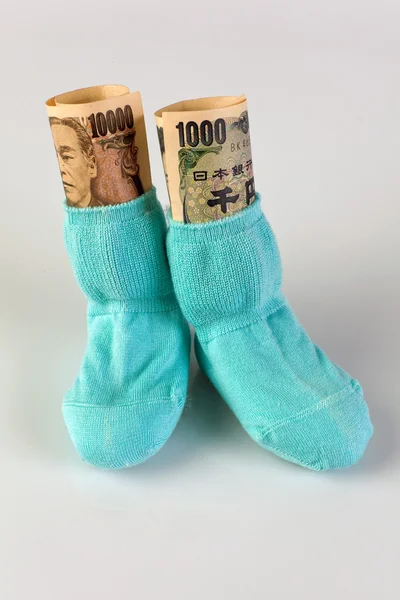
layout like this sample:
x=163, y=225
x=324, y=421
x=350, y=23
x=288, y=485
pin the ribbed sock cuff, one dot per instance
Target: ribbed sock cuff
x=225, y=273
x=113, y=213
x=118, y=255
x=213, y=230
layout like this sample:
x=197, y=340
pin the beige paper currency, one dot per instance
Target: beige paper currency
x=206, y=152
x=100, y=139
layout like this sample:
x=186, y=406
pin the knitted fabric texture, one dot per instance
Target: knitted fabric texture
x=132, y=386
x=283, y=389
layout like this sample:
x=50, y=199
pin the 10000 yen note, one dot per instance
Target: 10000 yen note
x=206, y=152
x=100, y=139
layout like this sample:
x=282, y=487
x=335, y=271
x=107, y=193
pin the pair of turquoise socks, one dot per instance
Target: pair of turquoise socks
x=226, y=278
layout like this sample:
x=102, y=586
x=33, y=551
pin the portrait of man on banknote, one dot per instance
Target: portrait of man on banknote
x=76, y=160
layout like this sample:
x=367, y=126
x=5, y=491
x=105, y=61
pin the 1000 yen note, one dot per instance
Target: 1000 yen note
x=100, y=138
x=206, y=152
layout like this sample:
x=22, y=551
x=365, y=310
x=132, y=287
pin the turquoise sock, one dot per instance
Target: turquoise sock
x=284, y=390
x=133, y=381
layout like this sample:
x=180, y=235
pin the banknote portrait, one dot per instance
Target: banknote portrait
x=76, y=160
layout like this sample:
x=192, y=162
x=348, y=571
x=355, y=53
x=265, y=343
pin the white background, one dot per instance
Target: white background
x=213, y=515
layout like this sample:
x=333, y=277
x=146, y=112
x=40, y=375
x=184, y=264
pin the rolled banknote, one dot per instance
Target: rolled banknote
x=206, y=153
x=100, y=138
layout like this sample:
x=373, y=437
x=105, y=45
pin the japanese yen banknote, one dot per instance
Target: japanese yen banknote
x=100, y=139
x=206, y=152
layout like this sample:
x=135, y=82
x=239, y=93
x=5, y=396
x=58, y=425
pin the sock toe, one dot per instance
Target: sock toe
x=123, y=435
x=332, y=434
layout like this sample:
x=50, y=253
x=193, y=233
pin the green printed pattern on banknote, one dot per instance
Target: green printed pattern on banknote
x=207, y=160
x=218, y=180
